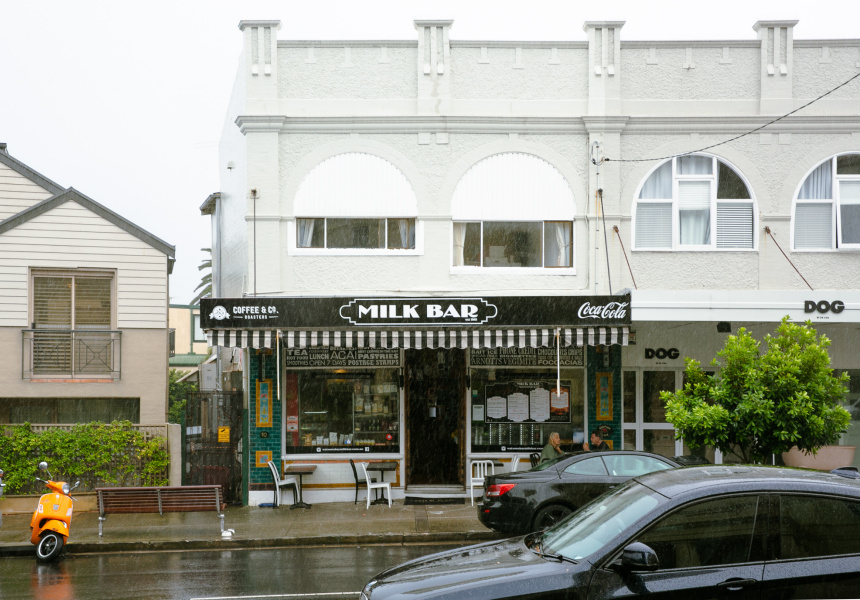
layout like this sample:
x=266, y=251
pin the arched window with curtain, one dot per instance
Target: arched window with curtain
x=826, y=211
x=694, y=202
x=356, y=202
x=512, y=210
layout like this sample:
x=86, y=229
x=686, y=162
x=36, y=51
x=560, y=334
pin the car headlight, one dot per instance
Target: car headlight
x=66, y=489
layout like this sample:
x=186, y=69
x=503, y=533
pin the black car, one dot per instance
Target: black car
x=516, y=503
x=699, y=532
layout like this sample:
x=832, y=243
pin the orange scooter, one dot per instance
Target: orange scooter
x=53, y=517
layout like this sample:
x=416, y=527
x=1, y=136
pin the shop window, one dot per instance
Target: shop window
x=71, y=325
x=546, y=244
x=518, y=410
x=694, y=202
x=391, y=234
x=826, y=212
x=513, y=210
x=331, y=411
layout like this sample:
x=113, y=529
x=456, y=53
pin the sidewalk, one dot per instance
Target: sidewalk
x=255, y=527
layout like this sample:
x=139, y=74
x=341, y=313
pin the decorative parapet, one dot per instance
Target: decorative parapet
x=434, y=65
x=777, y=62
x=604, y=66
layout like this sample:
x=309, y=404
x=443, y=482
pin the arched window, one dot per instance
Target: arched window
x=694, y=202
x=513, y=210
x=826, y=211
x=356, y=201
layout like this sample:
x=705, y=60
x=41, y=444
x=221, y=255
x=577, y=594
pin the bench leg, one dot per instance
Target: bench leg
x=221, y=516
x=101, y=521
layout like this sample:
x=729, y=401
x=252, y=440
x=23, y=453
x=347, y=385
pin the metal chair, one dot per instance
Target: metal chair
x=477, y=474
x=515, y=463
x=359, y=480
x=285, y=482
x=371, y=485
x=534, y=458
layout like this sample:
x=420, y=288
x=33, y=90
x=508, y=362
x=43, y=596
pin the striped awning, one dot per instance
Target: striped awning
x=419, y=339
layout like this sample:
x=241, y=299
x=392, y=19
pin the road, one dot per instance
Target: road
x=276, y=573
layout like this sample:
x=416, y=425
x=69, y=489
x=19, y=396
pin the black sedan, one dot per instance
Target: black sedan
x=516, y=503
x=700, y=532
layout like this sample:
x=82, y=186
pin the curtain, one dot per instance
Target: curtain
x=694, y=212
x=403, y=225
x=305, y=231
x=695, y=165
x=562, y=238
x=459, y=242
x=819, y=184
x=659, y=185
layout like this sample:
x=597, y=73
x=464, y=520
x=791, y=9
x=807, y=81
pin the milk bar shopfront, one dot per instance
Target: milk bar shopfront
x=428, y=383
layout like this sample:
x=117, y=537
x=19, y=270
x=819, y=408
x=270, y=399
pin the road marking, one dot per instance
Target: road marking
x=313, y=595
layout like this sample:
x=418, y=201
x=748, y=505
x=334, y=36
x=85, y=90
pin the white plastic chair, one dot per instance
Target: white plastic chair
x=515, y=463
x=371, y=484
x=479, y=471
x=285, y=482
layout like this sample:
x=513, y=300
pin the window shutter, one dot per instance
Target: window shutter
x=52, y=302
x=654, y=225
x=813, y=225
x=734, y=225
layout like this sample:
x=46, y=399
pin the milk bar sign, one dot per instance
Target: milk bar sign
x=494, y=311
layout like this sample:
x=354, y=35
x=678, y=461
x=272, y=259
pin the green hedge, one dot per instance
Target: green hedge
x=97, y=454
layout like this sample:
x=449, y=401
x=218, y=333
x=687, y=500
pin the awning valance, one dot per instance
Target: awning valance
x=419, y=339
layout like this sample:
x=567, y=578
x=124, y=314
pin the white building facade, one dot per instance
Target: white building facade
x=660, y=177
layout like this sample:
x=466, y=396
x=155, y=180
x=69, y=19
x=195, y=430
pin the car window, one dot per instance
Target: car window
x=630, y=465
x=548, y=463
x=590, y=528
x=813, y=526
x=589, y=466
x=714, y=532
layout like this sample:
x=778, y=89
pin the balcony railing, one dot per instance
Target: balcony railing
x=71, y=353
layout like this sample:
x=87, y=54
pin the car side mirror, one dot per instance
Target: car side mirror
x=639, y=557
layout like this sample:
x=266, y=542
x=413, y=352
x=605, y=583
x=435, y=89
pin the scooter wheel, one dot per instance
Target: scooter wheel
x=49, y=546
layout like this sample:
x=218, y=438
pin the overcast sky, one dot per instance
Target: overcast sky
x=125, y=101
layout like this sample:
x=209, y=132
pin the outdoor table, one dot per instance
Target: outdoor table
x=300, y=470
x=382, y=467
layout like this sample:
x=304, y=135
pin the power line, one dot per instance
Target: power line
x=737, y=137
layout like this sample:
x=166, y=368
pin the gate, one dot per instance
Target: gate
x=212, y=442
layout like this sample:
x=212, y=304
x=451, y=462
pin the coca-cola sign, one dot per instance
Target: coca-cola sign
x=604, y=312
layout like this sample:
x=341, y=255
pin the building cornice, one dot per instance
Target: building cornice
x=607, y=124
x=260, y=123
x=845, y=124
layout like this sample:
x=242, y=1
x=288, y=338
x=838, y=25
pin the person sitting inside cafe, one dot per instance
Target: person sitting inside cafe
x=552, y=449
x=597, y=443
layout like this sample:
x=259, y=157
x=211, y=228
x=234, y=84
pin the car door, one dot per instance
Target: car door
x=816, y=553
x=707, y=549
x=585, y=480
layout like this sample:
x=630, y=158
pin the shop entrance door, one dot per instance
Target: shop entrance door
x=435, y=417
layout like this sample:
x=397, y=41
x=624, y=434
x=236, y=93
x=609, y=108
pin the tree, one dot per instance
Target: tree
x=177, y=394
x=206, y=280
x=762, y=404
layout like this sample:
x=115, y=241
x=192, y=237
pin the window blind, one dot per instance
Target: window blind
x=734, y=225
x=813, y=225
x=654, y=225
x=52, y=302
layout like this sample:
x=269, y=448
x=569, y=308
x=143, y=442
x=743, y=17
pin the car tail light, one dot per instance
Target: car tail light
x=494, y=491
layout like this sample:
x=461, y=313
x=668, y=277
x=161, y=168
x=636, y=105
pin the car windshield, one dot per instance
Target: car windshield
x=587, y=530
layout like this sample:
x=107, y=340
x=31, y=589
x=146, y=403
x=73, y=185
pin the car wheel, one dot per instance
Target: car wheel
x=549, y=516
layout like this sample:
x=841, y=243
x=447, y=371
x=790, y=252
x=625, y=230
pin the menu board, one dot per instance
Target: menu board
x=340, y=357
x=533, y=401
x=573, y=356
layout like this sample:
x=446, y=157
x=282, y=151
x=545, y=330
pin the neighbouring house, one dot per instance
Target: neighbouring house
x=188, y=347
x=84, y=296
x=433, y=251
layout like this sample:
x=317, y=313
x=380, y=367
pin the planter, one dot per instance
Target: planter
x=827, y=459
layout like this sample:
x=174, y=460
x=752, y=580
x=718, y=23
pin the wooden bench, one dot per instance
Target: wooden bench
x=186, y=498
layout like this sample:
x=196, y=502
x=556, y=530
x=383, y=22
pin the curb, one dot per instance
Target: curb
x=237, y=543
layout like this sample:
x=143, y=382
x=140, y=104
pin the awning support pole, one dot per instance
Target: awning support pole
x=558, y=360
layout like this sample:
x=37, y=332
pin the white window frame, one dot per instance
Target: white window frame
x=835, y=203
x=294, y=249
x=714, y=204
x=542, y=270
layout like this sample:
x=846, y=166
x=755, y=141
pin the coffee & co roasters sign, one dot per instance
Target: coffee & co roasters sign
x=489, y=311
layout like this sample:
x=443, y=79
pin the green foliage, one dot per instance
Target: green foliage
x=177, y=394
x=762, y=404
x=97, y=454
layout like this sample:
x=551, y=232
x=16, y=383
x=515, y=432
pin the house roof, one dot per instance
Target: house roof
x=19, y=167
x=187, y=360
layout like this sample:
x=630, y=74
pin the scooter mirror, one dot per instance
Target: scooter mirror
x=74, y=487
x=43, y=466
